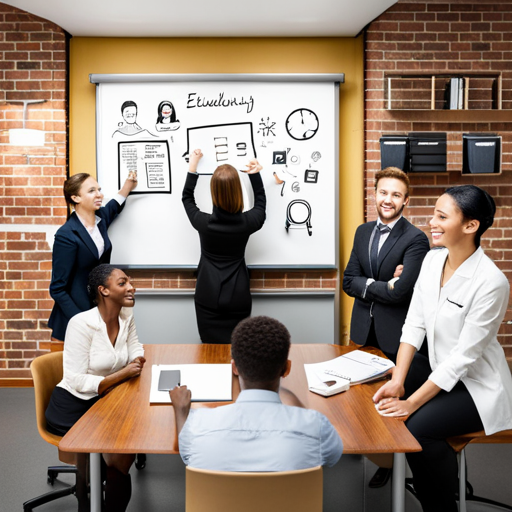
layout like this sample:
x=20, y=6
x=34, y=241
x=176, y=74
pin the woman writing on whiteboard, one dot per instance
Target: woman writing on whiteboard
x=223, y=296
x=102, y=350
x=81, y=244
x=459, y=302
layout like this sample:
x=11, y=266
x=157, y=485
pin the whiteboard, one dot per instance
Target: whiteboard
x=290, y=126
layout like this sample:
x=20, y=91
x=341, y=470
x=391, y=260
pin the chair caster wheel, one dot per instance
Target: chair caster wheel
x=52, y=475
x=140, y=461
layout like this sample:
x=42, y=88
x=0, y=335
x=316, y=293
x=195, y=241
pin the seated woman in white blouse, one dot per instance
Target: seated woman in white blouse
x=459, y=302
x=101, y=350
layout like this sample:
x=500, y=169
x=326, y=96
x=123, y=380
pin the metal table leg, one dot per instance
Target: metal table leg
x=95, y=480
x=398, y=483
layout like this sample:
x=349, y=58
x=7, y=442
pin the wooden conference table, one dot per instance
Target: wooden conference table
x=124, y=421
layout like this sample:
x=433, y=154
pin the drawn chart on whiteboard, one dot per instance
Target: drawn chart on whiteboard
x=289, y=127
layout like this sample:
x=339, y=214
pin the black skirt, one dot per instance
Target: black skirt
x=216, y=326
x=64, y=410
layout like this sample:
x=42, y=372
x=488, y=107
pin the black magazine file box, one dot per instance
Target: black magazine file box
x=481, y=153
x=394, y=152
x=428, y=151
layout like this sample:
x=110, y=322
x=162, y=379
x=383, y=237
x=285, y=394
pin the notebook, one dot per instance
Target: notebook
x=336, y=375
x=207, y=382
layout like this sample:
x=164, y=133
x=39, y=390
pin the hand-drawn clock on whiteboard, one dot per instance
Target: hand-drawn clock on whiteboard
x=302, y=124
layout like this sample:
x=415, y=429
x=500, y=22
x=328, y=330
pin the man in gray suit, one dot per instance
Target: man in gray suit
x=383, y=267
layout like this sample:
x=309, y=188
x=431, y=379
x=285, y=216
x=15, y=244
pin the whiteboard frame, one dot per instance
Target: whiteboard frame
x=119, y=78
x=335, y=78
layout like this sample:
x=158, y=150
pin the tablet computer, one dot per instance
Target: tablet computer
x=169, y=379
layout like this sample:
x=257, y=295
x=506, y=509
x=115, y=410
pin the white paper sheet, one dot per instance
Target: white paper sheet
x=357, y=366
x=207, y=382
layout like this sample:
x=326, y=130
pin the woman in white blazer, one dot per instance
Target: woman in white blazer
x=101, y=351
x=459, y=302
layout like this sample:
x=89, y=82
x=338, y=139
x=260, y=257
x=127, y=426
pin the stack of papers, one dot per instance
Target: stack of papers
x=207, y=382
x=337, y=375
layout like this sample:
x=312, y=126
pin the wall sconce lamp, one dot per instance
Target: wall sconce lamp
x=25, y=136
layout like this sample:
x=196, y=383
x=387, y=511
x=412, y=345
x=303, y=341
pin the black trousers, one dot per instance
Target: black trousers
x=435, y=469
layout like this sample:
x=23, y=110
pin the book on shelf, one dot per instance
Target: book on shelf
x=336, y=375
x=455, y=94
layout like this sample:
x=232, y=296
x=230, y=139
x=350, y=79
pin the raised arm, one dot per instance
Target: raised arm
x=187, y=197
x=129, y=184
x=257, y=213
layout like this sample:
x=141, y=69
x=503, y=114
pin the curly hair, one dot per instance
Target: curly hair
x=98, y=276
x=259, y=347
x=395, y=173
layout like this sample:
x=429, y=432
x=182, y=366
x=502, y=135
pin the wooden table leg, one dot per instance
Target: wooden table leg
x=81, y=483
x=398, y=483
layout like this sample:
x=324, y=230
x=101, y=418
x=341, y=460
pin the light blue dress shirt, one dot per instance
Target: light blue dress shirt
x=258, y=433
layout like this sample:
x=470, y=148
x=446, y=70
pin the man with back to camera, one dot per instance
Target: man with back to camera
x=383, y=267
x=257, y=432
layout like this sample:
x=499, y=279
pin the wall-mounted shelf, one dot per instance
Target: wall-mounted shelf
x=448, y=116
x=428, y=91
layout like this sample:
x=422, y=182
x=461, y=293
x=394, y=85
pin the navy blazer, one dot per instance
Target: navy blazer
x=74, y=256
x=406, y=245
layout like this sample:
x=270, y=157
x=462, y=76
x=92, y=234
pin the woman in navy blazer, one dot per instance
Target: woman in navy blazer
x=81, y=244
x=223, y=296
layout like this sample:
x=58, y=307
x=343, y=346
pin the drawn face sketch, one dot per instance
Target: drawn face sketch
x=166, y=120
x=166, y=113
x=130, y=115
x=130, y=126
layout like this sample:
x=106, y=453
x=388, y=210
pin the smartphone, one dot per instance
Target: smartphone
x=169, y=379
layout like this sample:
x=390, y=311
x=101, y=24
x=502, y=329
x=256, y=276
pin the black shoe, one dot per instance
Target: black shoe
x=380, y=478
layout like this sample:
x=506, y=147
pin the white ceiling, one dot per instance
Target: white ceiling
x=207, y=18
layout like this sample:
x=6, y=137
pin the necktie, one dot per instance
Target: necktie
x=374, y=249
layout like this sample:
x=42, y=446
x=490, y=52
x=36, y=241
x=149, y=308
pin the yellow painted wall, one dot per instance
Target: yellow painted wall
x=232, y=55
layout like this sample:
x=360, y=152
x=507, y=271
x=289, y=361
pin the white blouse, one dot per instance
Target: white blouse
x=89, y=355
x=95, y=232
x=461, y=321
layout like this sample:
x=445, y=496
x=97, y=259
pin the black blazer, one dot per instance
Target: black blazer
x=406, y=245
x=74, y=256
x=222, y=275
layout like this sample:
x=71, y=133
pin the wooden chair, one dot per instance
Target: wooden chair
x=224, y=491
x=459, y=444
x=47, y=373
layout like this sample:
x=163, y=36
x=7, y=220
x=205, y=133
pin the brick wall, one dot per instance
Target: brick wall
x=32, y=66
x=445, y=37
